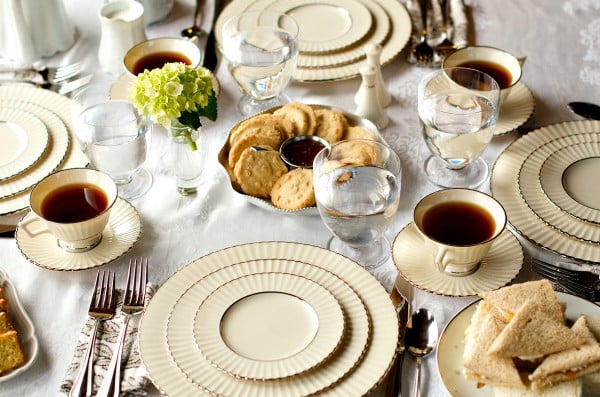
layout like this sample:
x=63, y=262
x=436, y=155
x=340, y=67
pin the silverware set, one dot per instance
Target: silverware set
x=103, y=307
x=423, y=52
x=61, y=79
x=582, y=283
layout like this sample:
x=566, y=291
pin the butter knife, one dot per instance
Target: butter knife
x=402, y=304
x=211, y=60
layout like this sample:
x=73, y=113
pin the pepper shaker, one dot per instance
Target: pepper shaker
x=373, y=53
x=368, y=102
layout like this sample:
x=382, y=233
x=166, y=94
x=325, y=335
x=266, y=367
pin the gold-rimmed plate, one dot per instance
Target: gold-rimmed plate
x=499, y=267
x=268, y=325
x=24, y=139
x=122, y=231
x=504, y=187
x=358, y=379
x=569, y=176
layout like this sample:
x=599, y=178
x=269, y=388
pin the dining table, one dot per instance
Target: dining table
x=560, y=40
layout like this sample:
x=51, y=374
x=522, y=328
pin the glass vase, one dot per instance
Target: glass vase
x=186, y=157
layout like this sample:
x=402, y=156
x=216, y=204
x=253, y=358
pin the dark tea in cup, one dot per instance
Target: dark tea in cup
x=74, y=203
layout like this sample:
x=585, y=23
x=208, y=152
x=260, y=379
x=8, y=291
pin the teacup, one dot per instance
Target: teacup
x=73, y=205
x=154, y=53
x=504, y=67
x=458, y=227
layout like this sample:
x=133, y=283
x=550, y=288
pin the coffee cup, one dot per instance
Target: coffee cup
x=459, y=227
x=502, y=66
x=154, y=53
x=73, y=205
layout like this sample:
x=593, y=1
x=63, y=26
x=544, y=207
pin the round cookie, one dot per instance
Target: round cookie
x=261, y=120
x=302, y=117
x=357, y=132
x=257, y=171
x=331, y=125
x=294, y=190
x=257, y=135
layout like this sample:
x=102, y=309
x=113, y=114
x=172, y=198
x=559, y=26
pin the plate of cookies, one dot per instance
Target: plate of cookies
x=251, y=155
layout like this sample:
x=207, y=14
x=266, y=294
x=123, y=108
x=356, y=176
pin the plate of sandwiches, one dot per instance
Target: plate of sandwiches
x=522, y=340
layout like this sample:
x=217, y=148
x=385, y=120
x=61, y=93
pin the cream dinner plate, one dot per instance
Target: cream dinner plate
x=500, y=266
x=123, y=230
x=24, y=139
x=55, y=111
x=392, y=35
x=326, y=25
x=181, y=338
x=531, y=190
x=569, y=179
x=268, y=325
x=452, y=344
x=355, y=376
x=504, y=186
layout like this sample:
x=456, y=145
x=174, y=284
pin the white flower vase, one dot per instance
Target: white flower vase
x=186, y=157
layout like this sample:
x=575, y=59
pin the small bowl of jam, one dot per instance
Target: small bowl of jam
x=301, y=150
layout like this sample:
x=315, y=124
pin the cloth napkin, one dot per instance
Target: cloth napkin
x=457, y=27
x=134, y=378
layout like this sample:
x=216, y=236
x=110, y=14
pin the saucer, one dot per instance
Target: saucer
x=516, y=110
x=123, y=230
x=500, y=266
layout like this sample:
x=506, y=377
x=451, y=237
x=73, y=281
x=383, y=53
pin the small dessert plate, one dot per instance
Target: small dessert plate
x=22, y=324
x=123, y=230
x=500, y=266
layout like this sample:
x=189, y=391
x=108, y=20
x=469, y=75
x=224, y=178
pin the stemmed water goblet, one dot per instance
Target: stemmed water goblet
x=261, y=48
x=113, y=135
x=357, y=187
x=458, y=109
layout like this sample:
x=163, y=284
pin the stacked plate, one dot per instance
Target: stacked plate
x=547, y=182
x=269, y=319
x=334, y=33
x=37, y=139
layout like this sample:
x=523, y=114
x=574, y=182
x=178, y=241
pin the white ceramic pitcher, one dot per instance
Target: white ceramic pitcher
x=16, y=43
x=122, y=26
x=51, y=29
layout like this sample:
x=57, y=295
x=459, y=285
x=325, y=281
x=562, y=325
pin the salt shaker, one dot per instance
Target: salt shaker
x=368, y=102
x=373, y=53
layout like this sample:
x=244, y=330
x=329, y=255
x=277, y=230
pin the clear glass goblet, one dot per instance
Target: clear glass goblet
x=113, y=135
x=458, y=109
x=261, y=48
x=357, y=187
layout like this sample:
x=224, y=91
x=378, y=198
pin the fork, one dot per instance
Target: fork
x=50, y=74
x=446, y=46
x=66, y=87
x=586, y=279
x=102, y=307
x=591, y=294
x=423, y=52
x=133, y=303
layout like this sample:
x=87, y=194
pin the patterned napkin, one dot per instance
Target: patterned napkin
x=457, y=28
x=134, y=378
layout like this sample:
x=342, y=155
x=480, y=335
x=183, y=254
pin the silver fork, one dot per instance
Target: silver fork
x=591, y=294
x=50, y=74
x=423, y=52
x=133, y=303
x=583, y=278
x=446, y=46
x=102, y=307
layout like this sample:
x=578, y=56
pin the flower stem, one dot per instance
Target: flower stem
x=191, y=142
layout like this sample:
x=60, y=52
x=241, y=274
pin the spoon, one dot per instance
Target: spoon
x=421, y=339
x=585, y=109
x=194, y=31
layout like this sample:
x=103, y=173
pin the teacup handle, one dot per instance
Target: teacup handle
x=522, y=59
x=441, y=259
x=28, y=226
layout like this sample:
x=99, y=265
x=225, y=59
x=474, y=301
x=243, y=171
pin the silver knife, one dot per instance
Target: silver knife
x=585, y=109
x=403, y=306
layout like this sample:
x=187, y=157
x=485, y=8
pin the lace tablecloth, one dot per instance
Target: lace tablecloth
x=561, y=39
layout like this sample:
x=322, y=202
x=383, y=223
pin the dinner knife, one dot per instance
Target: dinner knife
x=402, y=304
x=211, y=60
x=585, y=109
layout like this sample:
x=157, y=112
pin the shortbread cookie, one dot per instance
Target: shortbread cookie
x=358, y=152
x=302, y=117
x=294, y=190
x=357, y=132
x=331, y=125
x=261, y=120
x=258, y=135
x=257, y=171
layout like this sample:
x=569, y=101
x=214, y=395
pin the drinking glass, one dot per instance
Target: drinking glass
x=261, y=48
x=357, y=187
x=458, y=108
x=114, y=136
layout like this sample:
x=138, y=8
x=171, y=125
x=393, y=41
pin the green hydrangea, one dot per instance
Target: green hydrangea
x=175, y=91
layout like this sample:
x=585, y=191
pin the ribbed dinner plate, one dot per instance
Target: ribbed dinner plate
x=504, y=185
x=358, y=365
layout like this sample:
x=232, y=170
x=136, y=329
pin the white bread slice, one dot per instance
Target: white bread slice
x=508, y=300
x=571, y=388
x=571, y=363
x=479, y=365
x=532, y=333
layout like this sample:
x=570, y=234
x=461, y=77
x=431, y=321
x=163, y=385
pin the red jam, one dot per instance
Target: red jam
x=301, y=153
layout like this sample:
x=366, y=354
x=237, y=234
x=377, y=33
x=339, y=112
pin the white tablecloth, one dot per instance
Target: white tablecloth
x=559, y=37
